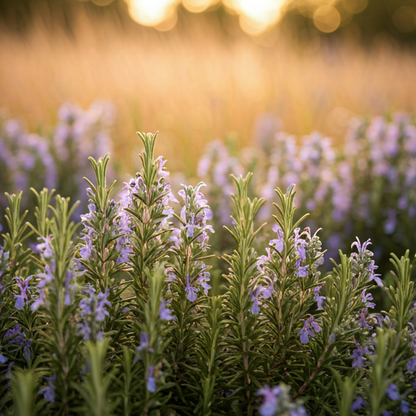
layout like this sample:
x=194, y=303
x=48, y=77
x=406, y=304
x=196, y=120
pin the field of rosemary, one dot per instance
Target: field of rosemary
x=131, y=311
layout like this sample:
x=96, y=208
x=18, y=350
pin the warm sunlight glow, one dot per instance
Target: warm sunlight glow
x=327, y=19
x=197, y=6
x=151, y=12
x=255, y=15
x=258, y=15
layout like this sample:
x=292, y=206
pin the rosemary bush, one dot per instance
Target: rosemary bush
x=55, y=157
x=363, y=186
x=116, y=315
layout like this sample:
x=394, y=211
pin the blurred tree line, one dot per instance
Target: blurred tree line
x=360, y=20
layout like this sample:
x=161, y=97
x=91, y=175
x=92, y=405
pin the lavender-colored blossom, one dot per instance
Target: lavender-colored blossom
x=191, y=292
x=319, y=299
x=144, y=342
x=47, y=276
x=299, y=411
x=270, y=400
x=69, y=276
x=46, y=247
x=366, y=298
x=255, y=309
x=17, y=336
x=310, y=327
x=358, y=403
x=151, y=380
x=3, y=359
x=404, y=407
x=23, y=286
x=26, y=350
x=411, y=364
x=301, y=271
x=92, y=312
x=363, y=319
x=393, y=392
x=49, y=391
x=359, y=353
x=100, y=311
x=39, y=301
x=361, y=248
x=277, y=243
x=85, y=251
x=203, y=279
x=264, y=260
x=165, y=313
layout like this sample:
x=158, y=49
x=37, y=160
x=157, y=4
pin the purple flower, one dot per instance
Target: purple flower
x=39, y=301
x=393, y=392
x=68, y=278
x=47, y=276
x=191, y=292
x=264, y=260
x=358, y=355
x=361, y=248
x=411, y=364
x=404, y=407
x=45, y=248
x=319, y=299
x=17, y=336
x=165, y=313
x=278, y=243
x=358, y=404
x=144, y=341
x=102, y=302
x=302, y=271
x=85, y=251
x=151, y=380
x=203, y=279
x=255, y=309
x=365, y=299
x=300, y=411
x=363, y=319
x=376, y=277
x=160, y=163
x=308, y=330
x=26, y=350
x=3, y=359
x=23, y=286
x=300, y=244
x=125, y=251
x=49, y=391
x=270, y=396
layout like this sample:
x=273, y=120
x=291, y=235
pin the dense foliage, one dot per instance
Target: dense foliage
x=365, y=188
x=116, y=316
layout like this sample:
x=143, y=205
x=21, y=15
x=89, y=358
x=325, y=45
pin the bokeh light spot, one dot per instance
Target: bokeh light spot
x=327, y=19
x=404, y=19
x=258, y=15
x=151, y=12
x=355, y=6
x=197, y=6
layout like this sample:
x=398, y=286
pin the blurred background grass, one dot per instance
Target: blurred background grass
x=199, y=76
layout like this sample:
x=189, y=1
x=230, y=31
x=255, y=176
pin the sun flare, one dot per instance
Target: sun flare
x=255, y=16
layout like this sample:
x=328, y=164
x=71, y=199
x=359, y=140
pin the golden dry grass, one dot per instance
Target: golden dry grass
x=196, y=84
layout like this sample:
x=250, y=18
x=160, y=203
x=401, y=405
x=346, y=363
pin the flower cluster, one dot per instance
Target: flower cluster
x=92, y=313
x=277, y=402
x=58, y=160
x=366, y=187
